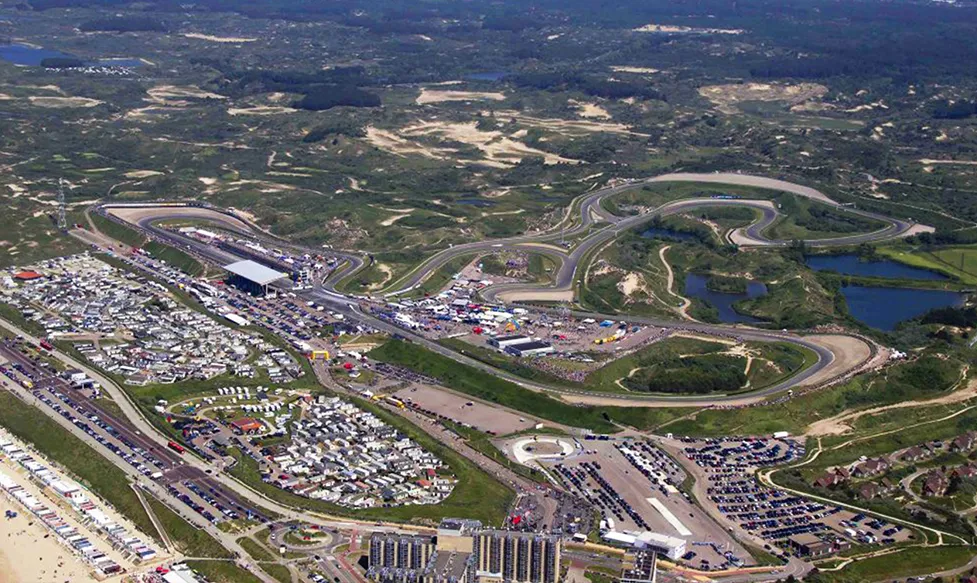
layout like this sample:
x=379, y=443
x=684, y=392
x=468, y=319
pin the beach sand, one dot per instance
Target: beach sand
x=31, y=553
x=27, y=557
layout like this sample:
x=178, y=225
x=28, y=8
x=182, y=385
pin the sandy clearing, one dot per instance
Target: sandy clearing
x=850, y=353
x=176, y=96
x=292, y=174
x=669, y=28
x=51, y=88
x=438, y=96
x=228, y=145
x=145, y=113
x=394, y=218
x=917, y=229
x=564, y=126
x=590, y=110
x=398, y=146
x=930, y=162
x=387, y=274
x=218, y=39
x=496, y=146
x=502, y=213
x=142, y=173
x=260, y=110
x=726, y=97
x=841, y=423
x=631, y=283
x=634, y=70
x=62, y=102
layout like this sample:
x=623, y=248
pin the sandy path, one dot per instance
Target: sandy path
x=841, y=423
x=670, y=282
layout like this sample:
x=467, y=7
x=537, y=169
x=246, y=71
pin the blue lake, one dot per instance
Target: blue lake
x=32, y=56
x=884, y=307
x=26, y=55
x=695, y=286
x=851, y=264
x=478, y=202
x=667, y=234
x=487, y=76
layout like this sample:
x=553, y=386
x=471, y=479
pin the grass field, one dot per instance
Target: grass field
x=60, y=446
x=904, y=563
x=134, y=238
x=442, y=277
x=117, y=231
x=920, y=379
x=188, y=539
x=957, y=261
x=900, y=439
x=257, y=552
x=278, y=572
x=506, y=363
x=175, y=258
x=222, y=572
x=477, y=494
x=491, y=388
x=482, y=443
x=606, y=377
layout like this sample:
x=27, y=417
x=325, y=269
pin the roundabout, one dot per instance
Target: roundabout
x=543, y=448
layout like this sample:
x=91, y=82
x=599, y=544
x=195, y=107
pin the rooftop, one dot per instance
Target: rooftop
x=254, y=271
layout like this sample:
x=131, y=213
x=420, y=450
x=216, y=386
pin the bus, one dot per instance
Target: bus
x=176, y=447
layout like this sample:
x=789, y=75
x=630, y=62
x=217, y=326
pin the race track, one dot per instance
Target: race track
x=570, y=260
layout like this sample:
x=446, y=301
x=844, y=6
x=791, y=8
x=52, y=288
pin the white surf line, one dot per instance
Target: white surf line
x=671, y=518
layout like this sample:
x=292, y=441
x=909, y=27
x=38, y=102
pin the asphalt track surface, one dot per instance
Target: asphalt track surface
x=588, y=207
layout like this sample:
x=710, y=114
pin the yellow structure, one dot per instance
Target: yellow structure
x=324, y=354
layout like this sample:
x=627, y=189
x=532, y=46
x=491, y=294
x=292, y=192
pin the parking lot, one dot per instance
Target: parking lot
x=447, y=405
x=774, y=516
x=187, y=484
x=635, y=486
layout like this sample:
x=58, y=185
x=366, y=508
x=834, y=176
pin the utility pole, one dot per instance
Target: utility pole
x=62, y=218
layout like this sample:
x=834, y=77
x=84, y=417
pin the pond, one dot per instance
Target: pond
x=884, y=307
x=696, y=287
x=667, y=234
x=28, y=55
x=851, y=264
x=487, y=76
x=477, y=202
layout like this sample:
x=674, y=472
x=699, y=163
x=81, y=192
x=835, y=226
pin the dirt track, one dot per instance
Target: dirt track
x=840, y=424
